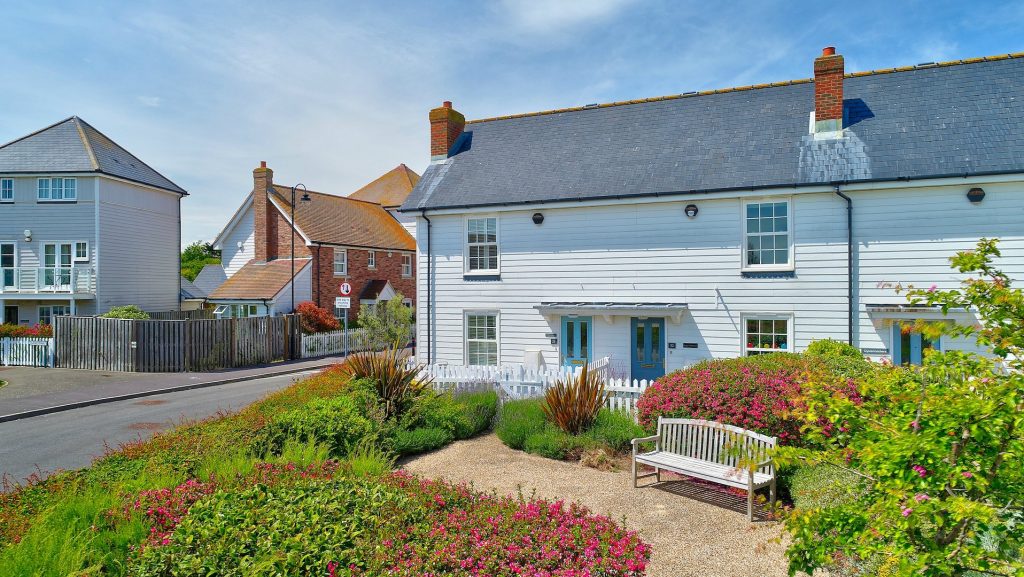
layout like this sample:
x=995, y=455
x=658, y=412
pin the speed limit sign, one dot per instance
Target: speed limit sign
x=346, y=289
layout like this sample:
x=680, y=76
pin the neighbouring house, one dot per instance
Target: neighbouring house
x=85, y=226
x=357, y=240
x=210, y=277
x=663, y=231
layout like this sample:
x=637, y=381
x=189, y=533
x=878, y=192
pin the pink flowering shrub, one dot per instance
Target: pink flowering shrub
x=16, y=331
x=761, y=393
x=395, y=525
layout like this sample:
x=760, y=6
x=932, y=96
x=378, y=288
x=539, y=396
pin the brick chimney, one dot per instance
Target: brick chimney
x=262, y=182
x=446, y=125
x=828, y=91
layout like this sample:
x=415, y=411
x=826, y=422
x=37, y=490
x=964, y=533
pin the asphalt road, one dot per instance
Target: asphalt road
x=72, y=439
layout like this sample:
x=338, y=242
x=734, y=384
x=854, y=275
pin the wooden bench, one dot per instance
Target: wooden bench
x=710, y=451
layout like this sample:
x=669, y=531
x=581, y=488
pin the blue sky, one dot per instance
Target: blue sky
x=333, y=94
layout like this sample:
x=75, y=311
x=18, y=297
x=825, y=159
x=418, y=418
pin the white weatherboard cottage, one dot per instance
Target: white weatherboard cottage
x=84, y=226
x=717, y=224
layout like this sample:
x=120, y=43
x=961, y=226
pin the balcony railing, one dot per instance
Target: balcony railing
x=40, y=280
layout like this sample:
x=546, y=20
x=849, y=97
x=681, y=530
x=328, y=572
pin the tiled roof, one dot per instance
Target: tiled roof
x=73, y=145
x=959, y=118
x=372, y=289
x=257, y=280
x=342, y=221
x=391, y=189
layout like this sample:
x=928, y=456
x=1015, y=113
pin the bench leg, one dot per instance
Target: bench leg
x=657, y=472
x=750, y=500
x=635, y=485
x=773, y=493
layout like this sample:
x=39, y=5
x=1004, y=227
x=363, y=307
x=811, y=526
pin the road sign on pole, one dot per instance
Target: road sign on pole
x=345, y=289
x=342, y=302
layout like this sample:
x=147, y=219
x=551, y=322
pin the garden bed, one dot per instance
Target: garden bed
x=693, y=530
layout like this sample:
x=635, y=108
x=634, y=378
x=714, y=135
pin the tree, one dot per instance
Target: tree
x=937, y=449
x=195, y=257
x=385, y=324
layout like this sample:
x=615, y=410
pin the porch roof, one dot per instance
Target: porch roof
x=907, y=308
x=608, y=309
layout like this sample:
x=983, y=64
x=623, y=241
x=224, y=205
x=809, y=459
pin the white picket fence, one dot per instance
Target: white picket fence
x=518, y=382
x=329, y=343
x=26, y=351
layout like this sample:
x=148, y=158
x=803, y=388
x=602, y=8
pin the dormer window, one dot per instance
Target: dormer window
x=57, y=189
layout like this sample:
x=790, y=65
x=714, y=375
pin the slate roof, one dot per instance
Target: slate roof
x=342, y=221
x=951, y=119
x=391, y=189
x=73, y=145
x=191, y=291
x=259, y=280
x=211, y=277
x=372, y=289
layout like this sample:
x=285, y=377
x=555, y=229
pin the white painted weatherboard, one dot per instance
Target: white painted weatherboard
x=649, y=251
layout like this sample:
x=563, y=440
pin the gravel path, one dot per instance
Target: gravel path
x=694, y=530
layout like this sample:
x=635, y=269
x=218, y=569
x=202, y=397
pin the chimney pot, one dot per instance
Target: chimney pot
x=447, y=104
x=828, y=51
x=263, y=164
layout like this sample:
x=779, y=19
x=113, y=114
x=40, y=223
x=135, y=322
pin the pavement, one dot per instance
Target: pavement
x=31, y=391
x=71, y=439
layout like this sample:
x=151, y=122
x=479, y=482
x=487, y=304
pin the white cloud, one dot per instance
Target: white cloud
x=550, y=16
x=150, y=101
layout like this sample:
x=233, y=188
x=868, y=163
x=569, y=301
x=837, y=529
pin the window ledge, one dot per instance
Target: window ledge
x=61, y=201
x=481, y=277
x=768, y=273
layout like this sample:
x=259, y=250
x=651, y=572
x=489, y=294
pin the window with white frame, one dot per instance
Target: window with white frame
x=767, y=235
x=406, y=265
x=6, y=189
x=46, y=313
x=57, y=188
x=766, y=334
x=340, y=262
x=482, y=338
x=81, y=251
x=482, y=244
x=371, y=259
x=407, y=303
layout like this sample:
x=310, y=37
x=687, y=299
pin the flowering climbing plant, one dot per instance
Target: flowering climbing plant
x=936, y=450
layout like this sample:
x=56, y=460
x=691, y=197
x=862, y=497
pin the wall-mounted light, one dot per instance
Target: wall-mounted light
x=240, y=245
x=975, y=195
x=691, y=210
x=28, y=235
x=538, y=218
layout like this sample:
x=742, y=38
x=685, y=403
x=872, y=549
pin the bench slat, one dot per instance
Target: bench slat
x=702, y=469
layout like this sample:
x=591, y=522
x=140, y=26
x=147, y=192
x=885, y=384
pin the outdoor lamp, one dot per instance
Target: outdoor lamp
x=975, y=195
x=28, y=235
x=538, y=218
x=691, y=210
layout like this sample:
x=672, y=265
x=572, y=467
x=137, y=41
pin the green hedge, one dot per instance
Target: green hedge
x=523, y=426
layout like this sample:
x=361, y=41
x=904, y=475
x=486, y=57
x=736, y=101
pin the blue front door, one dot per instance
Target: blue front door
x=647, y=341
x=576, y=340
x=908, y=347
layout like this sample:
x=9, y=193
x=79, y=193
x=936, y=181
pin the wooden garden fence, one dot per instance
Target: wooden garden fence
x=148, y=346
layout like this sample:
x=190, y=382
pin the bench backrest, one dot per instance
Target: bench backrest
x=714, y=442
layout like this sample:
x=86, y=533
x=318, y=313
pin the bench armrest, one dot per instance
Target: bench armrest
x=652, y=438
x=763, y=464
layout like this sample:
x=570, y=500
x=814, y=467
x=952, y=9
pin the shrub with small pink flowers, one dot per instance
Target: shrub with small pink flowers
x=757, y=393
x=396, y=525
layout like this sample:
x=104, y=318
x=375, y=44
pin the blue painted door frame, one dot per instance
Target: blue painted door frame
x=647, y=343
x=577, y=340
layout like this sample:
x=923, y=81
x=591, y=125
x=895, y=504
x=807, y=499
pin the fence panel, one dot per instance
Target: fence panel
x=209, y=345
x=26, y=351
x=171, y=345
x=160, y=346
x=198, y=314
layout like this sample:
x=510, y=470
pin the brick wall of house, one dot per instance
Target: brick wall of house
x=279, y=238
x=326, y=285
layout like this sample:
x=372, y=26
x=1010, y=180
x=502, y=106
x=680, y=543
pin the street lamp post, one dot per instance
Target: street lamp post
x=305, y=198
